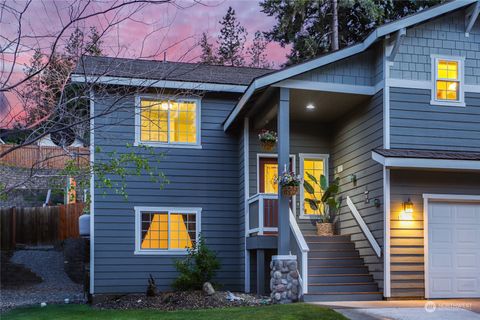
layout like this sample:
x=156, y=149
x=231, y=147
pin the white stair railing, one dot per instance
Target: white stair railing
x=302, y=245
x=366, y=231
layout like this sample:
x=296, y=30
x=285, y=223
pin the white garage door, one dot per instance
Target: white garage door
x=454, y=250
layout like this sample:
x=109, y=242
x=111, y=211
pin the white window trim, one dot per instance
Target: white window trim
x=138, y=229
x=314, y=156
x=138, y=141
x=461, y=80
x=275, y=156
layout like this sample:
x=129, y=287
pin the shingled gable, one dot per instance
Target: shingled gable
x=326, y=59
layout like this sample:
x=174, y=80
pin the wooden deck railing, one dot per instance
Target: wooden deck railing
x=42, y=157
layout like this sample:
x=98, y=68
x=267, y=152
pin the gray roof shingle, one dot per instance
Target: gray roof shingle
x=428, y=154
x=173, y=71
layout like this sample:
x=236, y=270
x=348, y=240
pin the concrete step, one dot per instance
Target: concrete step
x=339, y=278
x=313, y=270
x=335, y=262
x=343, y=287
x=332, y=245
x=333, y=253
x=343, y=296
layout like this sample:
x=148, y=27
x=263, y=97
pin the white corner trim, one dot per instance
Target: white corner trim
x=140, y=82
x=138, y=232
x=314, y=156
x=246, y=209
x=427, y=198
x=92, y=192
x=363, y=226
x=426, y=163
x=386, y=97
x=329, y=87
x=198, y=103
x=386, y=255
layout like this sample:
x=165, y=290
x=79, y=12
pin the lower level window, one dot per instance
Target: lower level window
x=166, y=230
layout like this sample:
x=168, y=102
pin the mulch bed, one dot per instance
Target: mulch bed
x=182, y=300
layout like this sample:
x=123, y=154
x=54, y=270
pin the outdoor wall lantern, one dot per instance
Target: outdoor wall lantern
x=407, y=212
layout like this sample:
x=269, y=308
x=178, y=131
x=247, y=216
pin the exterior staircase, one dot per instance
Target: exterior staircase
x=336, y=272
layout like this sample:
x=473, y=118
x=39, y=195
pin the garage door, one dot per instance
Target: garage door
x=454, y=250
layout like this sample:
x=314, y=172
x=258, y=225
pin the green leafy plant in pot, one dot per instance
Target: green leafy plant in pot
x=325, y=205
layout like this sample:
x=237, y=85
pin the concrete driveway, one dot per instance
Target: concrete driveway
x=451, y=309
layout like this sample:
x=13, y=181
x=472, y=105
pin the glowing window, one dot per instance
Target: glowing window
x=271, y=172
x=312, y=166
x=166, y=230
x=169, y=121
x=447, y=80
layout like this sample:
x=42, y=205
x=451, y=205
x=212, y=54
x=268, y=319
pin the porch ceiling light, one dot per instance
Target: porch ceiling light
x=310, y=106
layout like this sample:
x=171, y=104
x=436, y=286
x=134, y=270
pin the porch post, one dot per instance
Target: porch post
x=283, y=127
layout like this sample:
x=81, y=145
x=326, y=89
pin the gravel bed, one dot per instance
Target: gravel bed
x=184, y=300
x=56, y=285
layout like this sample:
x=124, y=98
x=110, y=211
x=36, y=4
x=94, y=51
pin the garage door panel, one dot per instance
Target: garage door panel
x=454, y=250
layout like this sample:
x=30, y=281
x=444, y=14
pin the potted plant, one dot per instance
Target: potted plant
x=289, y=183
x=326, y=206
x=268, y=139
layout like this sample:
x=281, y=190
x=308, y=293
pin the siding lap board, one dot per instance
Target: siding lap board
x=209, y=178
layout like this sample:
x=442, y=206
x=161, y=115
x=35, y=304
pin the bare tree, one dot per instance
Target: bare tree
x=66, y=107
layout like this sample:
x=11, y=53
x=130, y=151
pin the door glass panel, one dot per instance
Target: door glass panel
x=270, y=173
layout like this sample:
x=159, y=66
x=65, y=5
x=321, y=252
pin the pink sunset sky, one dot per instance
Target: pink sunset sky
x=151, y=31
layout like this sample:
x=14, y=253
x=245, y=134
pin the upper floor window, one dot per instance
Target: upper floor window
x=448, y=81
x=172, y=122
x=166, y=230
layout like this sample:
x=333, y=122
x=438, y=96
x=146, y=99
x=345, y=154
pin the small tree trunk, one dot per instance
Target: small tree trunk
x=334, y=44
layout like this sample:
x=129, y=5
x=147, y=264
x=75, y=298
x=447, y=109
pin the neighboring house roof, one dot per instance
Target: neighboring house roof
x=315, y=63
x=167, y=70
x=428, y=154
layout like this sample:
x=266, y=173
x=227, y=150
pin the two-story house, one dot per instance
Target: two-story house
x=396, y=118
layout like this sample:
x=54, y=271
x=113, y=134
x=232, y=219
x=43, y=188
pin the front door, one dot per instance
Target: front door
x=268, y=171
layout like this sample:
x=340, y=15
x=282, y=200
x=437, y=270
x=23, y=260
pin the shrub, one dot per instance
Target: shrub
x=200, y=266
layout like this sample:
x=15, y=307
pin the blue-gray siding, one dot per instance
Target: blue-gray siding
x=445, y=36
x=356, y=135
x=364, y=69
x=416, y=124
x=208, y=178
x=407, y=259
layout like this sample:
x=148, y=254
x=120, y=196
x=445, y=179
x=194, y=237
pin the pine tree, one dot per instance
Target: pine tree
x=231, y=40
x=258, y=57
x=308, y=26
x=207, y=55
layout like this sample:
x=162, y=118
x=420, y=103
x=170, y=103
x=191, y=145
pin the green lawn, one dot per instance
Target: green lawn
x=296, y=311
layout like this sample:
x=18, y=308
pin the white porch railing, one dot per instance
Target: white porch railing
x=366, y=231
x=263, y=219
x=263, y=214
x=301, y=250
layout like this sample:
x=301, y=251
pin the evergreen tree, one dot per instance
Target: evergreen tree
x=258, y=57
x=207, y=56
x=308, y=25
x=231, y=40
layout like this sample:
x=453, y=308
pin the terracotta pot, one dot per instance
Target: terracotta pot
x=289, y=191
x=325, y=229
x=268, y=145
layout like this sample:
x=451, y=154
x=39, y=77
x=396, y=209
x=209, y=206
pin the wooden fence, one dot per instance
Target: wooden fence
x=42, y=157
x=39, y=225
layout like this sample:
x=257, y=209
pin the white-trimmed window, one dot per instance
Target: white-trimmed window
x=311, y=165
x=166, y=230
x=447, y=74
x=167, y=121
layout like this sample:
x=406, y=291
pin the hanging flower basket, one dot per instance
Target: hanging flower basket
x=268, y=139
x=289, y=191
x=289, y=182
